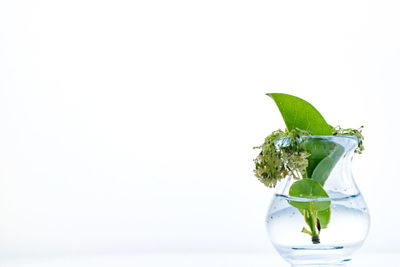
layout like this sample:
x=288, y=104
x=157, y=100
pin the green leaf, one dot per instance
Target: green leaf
x=323, y=158
x=318, y=148
x=298, y=113
x=309, y=189
x=326, y=165
x=324, y=217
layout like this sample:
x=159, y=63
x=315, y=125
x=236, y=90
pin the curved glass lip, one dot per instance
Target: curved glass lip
x=349, y=142
x=333, y=136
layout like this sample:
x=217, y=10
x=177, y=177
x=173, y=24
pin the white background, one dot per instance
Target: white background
x=128, y=126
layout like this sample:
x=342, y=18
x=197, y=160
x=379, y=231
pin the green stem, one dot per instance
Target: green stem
x=311, y=219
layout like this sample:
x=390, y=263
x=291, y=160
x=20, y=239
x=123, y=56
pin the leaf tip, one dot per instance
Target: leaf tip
x=271, y=95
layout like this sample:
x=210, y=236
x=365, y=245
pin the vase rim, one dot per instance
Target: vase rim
x=355, y=138
x=349, y=142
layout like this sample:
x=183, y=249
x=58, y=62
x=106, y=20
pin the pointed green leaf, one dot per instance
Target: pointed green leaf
x=326, y=165
x=298, y=113
x=318, y=148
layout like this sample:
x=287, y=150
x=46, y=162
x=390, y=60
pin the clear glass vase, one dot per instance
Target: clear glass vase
x=348, y=223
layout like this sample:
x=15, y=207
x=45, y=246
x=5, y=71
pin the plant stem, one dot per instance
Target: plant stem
x=312, y=220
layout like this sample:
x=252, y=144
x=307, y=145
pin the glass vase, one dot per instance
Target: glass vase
x=298, y=235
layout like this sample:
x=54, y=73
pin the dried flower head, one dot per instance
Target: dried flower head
x=339, y=131
x=281, y=155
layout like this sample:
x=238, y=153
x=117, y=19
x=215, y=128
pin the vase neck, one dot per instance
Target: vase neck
x=330, y=160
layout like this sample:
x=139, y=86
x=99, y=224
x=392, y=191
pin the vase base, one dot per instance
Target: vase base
x=319, y=265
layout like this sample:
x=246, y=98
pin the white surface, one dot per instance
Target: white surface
x=129, y=125
x=187, y=260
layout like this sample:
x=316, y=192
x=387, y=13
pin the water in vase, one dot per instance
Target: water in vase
x=347, y=229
